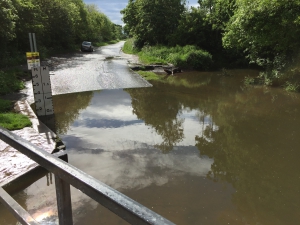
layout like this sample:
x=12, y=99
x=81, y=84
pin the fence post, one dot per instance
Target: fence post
x=64, y=206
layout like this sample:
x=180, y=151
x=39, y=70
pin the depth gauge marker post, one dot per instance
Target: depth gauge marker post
x=40, y=80
x=42, y=91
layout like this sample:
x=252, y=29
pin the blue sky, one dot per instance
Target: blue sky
x=112, y=8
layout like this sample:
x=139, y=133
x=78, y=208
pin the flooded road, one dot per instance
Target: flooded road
x=201, y=149
x=105, y=68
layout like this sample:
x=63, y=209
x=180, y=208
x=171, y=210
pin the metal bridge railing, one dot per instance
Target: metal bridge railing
x=66, y=175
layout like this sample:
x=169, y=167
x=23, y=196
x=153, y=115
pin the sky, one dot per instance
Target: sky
x=112, y=8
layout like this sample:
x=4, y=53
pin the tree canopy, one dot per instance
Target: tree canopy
x=264, y=29
x=58, y=24
x=265, y=32
x=151, y=21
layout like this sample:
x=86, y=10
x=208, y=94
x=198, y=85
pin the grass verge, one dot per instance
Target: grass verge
x=129, y=47
x=188, y=56
x=11, y=120
x=149, y=75
x=14, y=121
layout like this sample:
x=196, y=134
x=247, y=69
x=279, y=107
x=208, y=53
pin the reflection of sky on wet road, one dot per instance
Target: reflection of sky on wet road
x=142, y=168
x=109, y=123
x=109, y=142
x=142, y=142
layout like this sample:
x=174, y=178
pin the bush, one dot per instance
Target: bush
x=292, y=87
x=9, y=82
x=12, y=58
x=5, y=105
x=188, y=56
x=199, y=60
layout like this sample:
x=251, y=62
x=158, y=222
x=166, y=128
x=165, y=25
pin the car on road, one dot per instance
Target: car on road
x=87, y=46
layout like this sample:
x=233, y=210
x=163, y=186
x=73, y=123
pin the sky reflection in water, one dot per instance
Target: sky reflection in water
x=204, y=150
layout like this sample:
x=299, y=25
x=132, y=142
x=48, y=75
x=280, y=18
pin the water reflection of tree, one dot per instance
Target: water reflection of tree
x=161, y=106
x=159, y=110
x=251, y=135
x=260, y=162
x=67, y=108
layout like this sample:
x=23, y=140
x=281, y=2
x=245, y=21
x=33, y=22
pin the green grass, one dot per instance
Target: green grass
x=149, y=75
x=147, y=58
x=14, y=121
x=188, y=56
x=129, y=48
x=11, y=120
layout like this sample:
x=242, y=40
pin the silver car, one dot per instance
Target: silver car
x=87, y=46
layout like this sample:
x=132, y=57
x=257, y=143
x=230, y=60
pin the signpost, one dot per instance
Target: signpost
x=33, y=59
x=40, y=80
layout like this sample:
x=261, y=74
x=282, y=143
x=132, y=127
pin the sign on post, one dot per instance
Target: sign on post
x=33, y=59
x=42, y=91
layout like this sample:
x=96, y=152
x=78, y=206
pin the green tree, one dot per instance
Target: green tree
x=130, y=18
x=267, y=30
x=58, y=24
x=8, y=18
x=151, y=21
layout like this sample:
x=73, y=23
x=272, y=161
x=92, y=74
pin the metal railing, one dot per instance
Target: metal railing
x=66, y=175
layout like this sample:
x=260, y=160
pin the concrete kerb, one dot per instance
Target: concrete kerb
x=15, y=168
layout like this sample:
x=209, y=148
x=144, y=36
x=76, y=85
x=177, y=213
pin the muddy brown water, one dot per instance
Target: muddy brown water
x=203, y=149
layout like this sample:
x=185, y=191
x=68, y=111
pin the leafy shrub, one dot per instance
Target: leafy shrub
x=199, y=59
x=5, y=105
x=9, y=82
x=271, y=77
x=11, y=58
x=292, y=87
x=177, y=59
x=188, y=56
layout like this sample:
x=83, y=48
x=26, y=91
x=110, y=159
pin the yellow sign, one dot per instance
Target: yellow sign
x=33, y=59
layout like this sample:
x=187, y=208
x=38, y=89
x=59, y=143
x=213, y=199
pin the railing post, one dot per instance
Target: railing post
x=64, y=206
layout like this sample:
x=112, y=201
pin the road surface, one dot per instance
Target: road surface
x=105, y=68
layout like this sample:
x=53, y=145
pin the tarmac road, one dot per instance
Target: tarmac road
x=105, y=68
